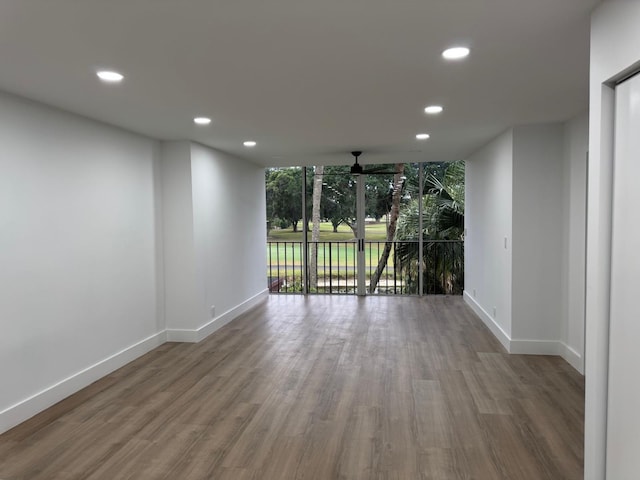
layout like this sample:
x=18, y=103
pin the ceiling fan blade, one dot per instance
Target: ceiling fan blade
x=359, y=169
x=377, y=172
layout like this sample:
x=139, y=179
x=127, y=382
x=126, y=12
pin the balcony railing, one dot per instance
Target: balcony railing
x=442, y=267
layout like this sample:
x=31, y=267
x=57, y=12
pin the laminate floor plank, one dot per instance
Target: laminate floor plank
x=318, y=388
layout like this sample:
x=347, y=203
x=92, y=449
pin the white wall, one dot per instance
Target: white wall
x=229, y=211
x=537, y=238
x=182, y=296
x=78, y=253
x=110, y=243
x=615, y=49
x=488, y=221
x=576, y=143
x=215, y=242
x=516, y=190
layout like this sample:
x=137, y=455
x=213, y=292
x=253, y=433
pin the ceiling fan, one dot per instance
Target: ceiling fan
x=357, y=169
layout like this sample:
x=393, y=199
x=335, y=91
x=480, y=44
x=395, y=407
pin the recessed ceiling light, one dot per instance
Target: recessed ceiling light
x=455, y=53
x=422, y=136
x=202, y=120
x=109, y=76
x=433, y=109
x=249, y=143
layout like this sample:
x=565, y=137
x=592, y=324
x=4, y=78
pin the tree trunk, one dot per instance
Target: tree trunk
x=315, y=232
x=391, y=229
x=353, y=226
x=295, y=226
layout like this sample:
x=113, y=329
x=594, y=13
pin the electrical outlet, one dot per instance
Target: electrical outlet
x=213, y=311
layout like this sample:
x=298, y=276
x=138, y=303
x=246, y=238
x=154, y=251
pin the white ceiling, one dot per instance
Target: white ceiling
x=309, y=80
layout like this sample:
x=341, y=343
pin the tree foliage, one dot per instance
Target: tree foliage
x=442, y=221
x=442, y=208
x=284, y=190
x=339, y=197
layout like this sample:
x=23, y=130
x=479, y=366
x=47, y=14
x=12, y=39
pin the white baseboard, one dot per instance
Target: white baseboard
x=491, y=324
x=182, y=335
x=535, y=347
x=527, y=347
x=549, y=347
x=573, y=358
x=196, y=335
x=27, y=408
x=231, y=314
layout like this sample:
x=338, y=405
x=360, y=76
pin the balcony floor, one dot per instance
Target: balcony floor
x=319, y=387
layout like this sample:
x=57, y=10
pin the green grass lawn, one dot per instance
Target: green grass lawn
x=336, y=265
x=336, y=252
x=336, y=255
x=375, y=232
x=337, y=258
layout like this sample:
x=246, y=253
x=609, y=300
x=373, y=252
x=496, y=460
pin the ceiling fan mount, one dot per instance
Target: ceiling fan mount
x=356, y=168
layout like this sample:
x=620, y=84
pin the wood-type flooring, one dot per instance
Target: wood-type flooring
x=318, y=387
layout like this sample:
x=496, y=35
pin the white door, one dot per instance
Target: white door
x=623, y=419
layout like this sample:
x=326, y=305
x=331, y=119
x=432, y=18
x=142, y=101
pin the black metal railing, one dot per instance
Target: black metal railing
x=284, y=267
x=336, y=268
x=442, y=266
x=393, y=278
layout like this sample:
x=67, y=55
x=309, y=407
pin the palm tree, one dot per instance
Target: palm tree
x=442, y=230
